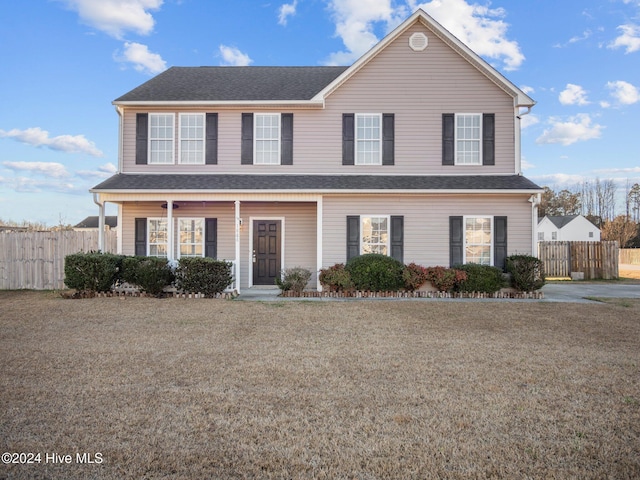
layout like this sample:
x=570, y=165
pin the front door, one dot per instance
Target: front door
x=266, y=251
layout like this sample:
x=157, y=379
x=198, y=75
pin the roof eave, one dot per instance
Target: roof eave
x=216, y=103
x=366, y=191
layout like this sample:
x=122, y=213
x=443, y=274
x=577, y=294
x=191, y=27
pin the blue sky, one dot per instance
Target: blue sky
x=64, y=61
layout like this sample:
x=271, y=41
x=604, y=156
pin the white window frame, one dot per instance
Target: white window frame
x=181, y=139
x=181, y=243
x=457, y=151
x=171, y=139
x=554, y=236
x=277, y=160
x=150, y=243
x=541, y=236
x=357, y=140
x=468, y=244
x=387, y=244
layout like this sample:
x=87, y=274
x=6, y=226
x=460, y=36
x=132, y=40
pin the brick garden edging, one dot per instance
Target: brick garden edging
x=419, y=294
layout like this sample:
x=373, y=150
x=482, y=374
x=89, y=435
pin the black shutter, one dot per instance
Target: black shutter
x=397, y=238
x=246, y=157
x=141, y=237
x=142, y=132
x=286, y=139
x=456, y=241
x=211, y=147
x=211, y=237
x=488, y=139
x=448, y=139
x=353, y=236
x=500, y=242
x=348, y=139
x=388, y=138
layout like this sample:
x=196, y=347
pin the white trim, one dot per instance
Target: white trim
x=237, y=217
x=282, y=243
x=119, y=231
x=204, y=135
x=179, y=242
x=388, y=218
x=255, y=137
x=224, y=103
x=464, y=243
x=357, y=140
x=173, y=138
x=319, y=240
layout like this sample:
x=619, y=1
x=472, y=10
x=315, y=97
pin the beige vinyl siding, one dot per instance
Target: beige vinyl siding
x=418, y=87
x=426, y=222
x=299, y=233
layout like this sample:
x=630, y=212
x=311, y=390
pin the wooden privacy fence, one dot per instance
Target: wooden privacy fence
x=593, y=259
x=629, y=256
x=35, y=260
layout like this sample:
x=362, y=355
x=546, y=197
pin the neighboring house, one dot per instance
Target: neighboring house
x=92, y=223
x=413, y=152
x=570, y=228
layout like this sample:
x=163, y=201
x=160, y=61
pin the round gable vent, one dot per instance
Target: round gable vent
x=418, y=42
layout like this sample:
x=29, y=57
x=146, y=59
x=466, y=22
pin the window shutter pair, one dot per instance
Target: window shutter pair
x=349, y=139
x=456, y=241
x=286, y=139
x=397, y=237
x=449, y=139
x=211, y=138
x=210, y=237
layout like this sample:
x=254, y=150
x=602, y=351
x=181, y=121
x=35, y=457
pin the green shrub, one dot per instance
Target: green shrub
x=481, y=278
x=92, y=271
x=527, y=272
x=375, y=272
x=445, y=279
x=414, y=276
x=150, y=274
x=336, y=278
x=203, y=275
x=294, y=279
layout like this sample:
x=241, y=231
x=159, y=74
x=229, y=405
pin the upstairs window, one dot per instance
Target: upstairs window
x=368, y=139
x=267, y=138
x=468, y=137
x=161, y=138
x=192, y=138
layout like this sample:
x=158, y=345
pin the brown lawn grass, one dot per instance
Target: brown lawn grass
x=360, y=390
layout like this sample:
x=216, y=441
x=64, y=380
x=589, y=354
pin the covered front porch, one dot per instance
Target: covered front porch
x=259, y=234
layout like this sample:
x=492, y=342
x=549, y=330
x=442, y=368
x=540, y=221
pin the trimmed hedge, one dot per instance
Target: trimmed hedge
x=203, y=275
x=445, y=279
x=150, y=274
x=294, y=279
x=527, y=272
x=480, y=278
x=92, y=271
x=375, y=272
x=336, y=278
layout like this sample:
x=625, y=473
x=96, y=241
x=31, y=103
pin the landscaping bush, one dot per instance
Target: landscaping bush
x=527, y=272
x=336, y=278
x=150, y=274
x=294, y=279
x=481, y=278
x=445, y=279
x=414, y=276
x=375, y=272
x=92, y=271
x=203, y=275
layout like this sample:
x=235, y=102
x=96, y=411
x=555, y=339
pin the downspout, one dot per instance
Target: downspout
x=100, y=222
x=535, y=200
x=518, y=146
x=120, y=111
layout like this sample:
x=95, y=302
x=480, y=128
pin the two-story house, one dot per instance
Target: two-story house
x=413, y=151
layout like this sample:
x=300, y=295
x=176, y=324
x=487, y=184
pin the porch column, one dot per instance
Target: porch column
x=170, y=249
x=318, y=242
x=100, y=222
x=237, y=242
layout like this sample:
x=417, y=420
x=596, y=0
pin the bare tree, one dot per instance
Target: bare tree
x=633, y=202
x=620, y=229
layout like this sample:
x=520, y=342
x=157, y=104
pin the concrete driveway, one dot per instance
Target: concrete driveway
x=577, y=291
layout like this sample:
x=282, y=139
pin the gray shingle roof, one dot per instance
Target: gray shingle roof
x=311, y=183
x=93, y=222
x=218, y=84
x=561, y=221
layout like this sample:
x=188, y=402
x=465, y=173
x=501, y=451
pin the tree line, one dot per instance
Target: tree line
x=597, y=201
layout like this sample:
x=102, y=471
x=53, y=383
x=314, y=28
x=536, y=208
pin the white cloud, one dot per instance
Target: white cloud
x=63, y=143
x=558, y=179
x=31, y=185
x=479, y=27
x=234, y=57
x=48, y=169
x=527, y=89
x=287, y=10
x=114, y=17
x=103, y=171
x=573, y=95
x=142, y=59
x=528, y=120
x=629, y=39
x=624, y=92
x=577, y=129
x=525, y=164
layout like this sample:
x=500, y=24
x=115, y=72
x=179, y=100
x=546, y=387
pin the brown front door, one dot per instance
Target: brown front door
x=266, y=251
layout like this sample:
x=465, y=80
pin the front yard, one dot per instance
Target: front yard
x=202, y=388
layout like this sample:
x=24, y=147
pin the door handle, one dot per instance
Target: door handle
x=254, y=257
